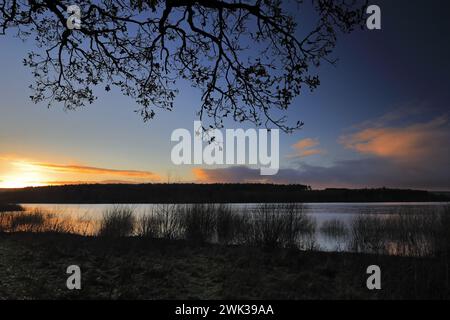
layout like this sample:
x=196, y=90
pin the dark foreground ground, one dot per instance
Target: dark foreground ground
x=33, y=266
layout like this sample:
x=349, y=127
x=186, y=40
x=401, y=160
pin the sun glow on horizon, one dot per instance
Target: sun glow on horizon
x=24, y=175
x=19, y=182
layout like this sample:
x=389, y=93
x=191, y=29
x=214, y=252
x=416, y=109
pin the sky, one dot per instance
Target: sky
x=380, y=118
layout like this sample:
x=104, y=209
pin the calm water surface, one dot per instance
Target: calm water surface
x=320, y=212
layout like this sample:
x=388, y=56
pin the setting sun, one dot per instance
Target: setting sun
x=19, y=182
x=24, y=175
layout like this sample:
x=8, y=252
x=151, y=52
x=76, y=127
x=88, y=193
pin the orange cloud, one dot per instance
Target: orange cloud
x=78, y=182
x=233, y=174
x=312, y=152
x=200, y=175
x=412, y=142
x=306, y=143
x=306, y=148
x=95, y=170
x=17, y=172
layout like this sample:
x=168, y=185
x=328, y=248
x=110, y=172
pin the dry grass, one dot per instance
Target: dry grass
x=275, y=226
x=334, y=229
x=404, y=233
x=42, y=221
x=271, y=226
x=117, y=222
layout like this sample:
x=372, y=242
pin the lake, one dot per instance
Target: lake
x=320, y=213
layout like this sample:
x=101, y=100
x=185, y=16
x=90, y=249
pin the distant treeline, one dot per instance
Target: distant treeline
x=207, y=193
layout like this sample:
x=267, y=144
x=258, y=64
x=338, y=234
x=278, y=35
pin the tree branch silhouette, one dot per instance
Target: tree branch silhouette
x=245, y=56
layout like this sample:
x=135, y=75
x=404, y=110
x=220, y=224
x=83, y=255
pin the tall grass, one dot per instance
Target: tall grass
x=275, y=226
x=162, y=221
x=198, y=222
x=3, y=222
x=230, y=225
x=334, y=229
x=367, y=234
x=117, y=222
x=441, y=238
x=36, y=221
x=268, y=226
x=168, y=218
x=405, y=233
x=300, y=229
x=148, y=226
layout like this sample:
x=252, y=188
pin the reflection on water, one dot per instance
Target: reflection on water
x=393, y=228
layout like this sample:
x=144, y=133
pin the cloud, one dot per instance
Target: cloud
x=306, y=143
x=360, y=173
x=306, y=148
x=78, y=169
x=241, y=174
x=410, y=143
x=408, y=155
x=376, y=172
x=398, y=114
x=19, y=171
x=201, y=174
x=78, y=182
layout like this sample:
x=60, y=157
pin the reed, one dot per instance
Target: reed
x=117, y=222
x=275, y=226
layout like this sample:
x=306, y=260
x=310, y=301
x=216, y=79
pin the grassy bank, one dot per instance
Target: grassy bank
x=33, y=265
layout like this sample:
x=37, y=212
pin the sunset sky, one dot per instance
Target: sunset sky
x=379, y=118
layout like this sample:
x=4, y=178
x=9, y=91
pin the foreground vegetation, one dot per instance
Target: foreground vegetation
x=33, y=266
x=8, y=207
x=214, y=252
x=414, y=232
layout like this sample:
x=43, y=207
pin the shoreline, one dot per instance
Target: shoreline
x=210, y=193
x=437, y=202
